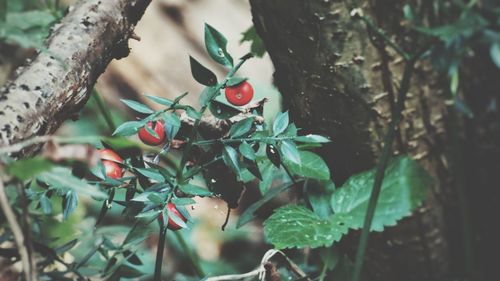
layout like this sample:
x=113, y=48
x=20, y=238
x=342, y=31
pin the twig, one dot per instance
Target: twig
x=261, y=270
x=27, y=231
x=17, y=232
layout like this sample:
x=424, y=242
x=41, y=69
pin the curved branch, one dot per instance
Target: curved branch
x=58, y=82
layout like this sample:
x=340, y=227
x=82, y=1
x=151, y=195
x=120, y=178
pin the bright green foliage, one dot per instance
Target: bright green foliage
x=296, y=226
x=403, y=190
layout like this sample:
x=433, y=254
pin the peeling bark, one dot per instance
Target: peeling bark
x=337, y=79
x=58, y=82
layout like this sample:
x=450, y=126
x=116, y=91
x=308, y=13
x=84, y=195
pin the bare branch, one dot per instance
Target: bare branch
x=29, y=272
x=58, y=82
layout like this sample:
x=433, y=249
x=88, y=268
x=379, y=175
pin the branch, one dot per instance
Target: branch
x=58, y=82
x=29, y=272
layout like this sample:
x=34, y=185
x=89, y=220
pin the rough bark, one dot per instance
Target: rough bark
x=338, y=79
x=57, y=83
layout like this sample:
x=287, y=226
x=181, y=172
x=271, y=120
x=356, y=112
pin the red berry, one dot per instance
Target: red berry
x=108, y=154
x=112, y=169
x=240, y=94
x=148, y=138
x=172, y=211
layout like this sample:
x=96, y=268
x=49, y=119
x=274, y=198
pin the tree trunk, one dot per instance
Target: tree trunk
x=339, y=79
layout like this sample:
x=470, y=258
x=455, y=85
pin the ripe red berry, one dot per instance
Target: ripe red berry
x=172, y=211
x=109, y=160
x=108, y=154
x=112, y=169
x=240, y=94
x=148, y=138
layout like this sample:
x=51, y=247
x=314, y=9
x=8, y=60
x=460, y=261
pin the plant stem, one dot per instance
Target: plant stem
x=384, y=160
x=159, y=251
x=458, y=170
x=323, y=272
x=195, y=260
x=104, y=110
x=194, y=130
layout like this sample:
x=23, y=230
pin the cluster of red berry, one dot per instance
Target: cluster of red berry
x=238, y=95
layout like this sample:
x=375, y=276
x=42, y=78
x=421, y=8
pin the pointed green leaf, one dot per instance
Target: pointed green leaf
x=247, y=151
x=137, y=106
x=202, y=74
x=216, y=45
x=230, y=157
x=289, y=152
x=70, y=202
x=195, y=190
x=241, y=127
x=311, y=166
x=128, y=128
x=160, y=100
x=312, y=139
x=280, y=123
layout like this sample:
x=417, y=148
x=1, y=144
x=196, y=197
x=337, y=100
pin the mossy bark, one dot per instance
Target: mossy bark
x=339, y=79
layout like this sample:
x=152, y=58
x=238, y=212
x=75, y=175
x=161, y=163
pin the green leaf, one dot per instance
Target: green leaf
x=69, y=202
x=195, y=190
x=319, y=194
x=403, y=190
x=216, y=45
x=312, y=139
x=247, y=151
x=495, y=53
x=202, y=74
x=191, y=112
x=46, y=205
x=230, y=157
x=183, y=201
x=160, y=100
x=137, y=106
x=27, y=168
x=289, y=152
x=151, y=174
x=241, y=127
x=128, y=128
x=249, y=214
x=222, y=111
x=233, y=81
x=257, y=45
x=280, y=123
x=311, y=166
x=296, y=226
x=208, y=94
x=60, y=177
x=172, y=124
x=268, y=171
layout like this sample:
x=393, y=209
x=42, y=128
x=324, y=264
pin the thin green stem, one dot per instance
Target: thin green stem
x=195, y=260
x=194, y=130
x=458, y=170
x=104, y=110
x=159, y=251
x=382, y=164
x=322, y=275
